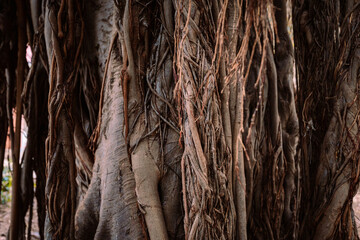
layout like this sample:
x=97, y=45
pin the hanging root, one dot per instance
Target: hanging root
x=61, y=187
x=144, y=152
x=207, y=162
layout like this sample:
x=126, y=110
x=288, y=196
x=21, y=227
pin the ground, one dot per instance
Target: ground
x=5, y=222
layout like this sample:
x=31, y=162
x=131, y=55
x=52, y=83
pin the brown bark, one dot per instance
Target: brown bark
x=339, y=152
x=3, y=122
x=284, y=58
x=328, y=95
x=113, y=184
x=63, y=55
x=192, y=132
x=34, y=154
x=143, y=133
x=207, y=161
x=15, y=200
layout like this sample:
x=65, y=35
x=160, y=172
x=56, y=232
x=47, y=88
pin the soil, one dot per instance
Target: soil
x=5, y=221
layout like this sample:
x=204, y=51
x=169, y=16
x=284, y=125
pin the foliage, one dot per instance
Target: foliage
x=6, y=186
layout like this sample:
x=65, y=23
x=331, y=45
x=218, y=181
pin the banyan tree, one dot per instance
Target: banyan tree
x=190, y=119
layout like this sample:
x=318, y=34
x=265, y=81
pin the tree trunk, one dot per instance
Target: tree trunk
x=181, y=119
x=3, y=122
x=329, y=107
